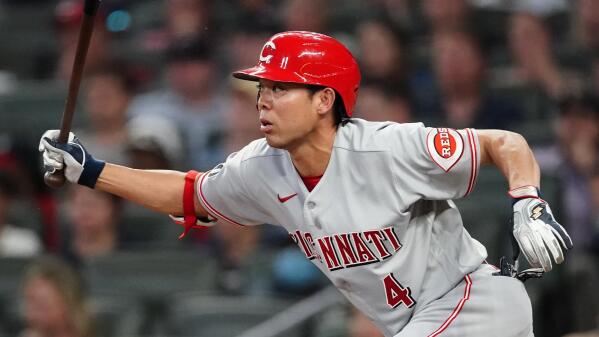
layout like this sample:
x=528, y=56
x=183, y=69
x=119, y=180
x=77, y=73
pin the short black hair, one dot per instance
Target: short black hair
x=341, y=117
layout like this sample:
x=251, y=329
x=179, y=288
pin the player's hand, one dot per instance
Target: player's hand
x=539, y=236
x=80, y=167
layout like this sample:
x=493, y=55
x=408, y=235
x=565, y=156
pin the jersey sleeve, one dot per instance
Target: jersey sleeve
x=436, y=163
x=223, y=193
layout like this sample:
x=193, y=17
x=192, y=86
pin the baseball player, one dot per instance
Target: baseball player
x=369, y=203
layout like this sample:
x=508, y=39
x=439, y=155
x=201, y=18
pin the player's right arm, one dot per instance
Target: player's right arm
x=159, y=190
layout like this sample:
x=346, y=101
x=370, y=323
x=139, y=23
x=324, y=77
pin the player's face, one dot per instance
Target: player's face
x=287, y=113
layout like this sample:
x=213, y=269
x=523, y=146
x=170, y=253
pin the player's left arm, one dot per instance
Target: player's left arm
x=538, y=234
x=510, y=153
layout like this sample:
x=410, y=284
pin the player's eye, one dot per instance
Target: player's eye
x=277, y=88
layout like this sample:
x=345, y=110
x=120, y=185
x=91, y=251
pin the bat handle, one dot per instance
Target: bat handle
x=91, y=7
x=55, y=179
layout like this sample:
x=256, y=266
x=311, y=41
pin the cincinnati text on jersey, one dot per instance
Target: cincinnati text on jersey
x=347, y=250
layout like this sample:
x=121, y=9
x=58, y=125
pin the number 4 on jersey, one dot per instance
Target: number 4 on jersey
x=396, y=293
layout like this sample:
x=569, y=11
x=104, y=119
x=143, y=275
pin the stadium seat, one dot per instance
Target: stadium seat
x=34, y=107
x=114, y=316
x=200, y=315
x=12, y=271
x=145, y=229
x=117, y=316
x=150, y=274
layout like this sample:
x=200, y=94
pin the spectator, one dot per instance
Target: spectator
x=381, y=53
x=190, y=98
x=460, y=69
x=587, y=14
x=67, y=20
x=244, y=46
x=187, y=18
x=530, y=46
x=54, y=302
x=14, y=241
x=247, y=16
x=573, y=159
x=93, y=217
x=446, y=15
x=242, y=119
x=400, y=12
x=153, y=142
x=382, y=103
x=306, y=15
x=106, y=96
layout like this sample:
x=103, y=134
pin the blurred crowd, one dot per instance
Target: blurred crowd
x=157, y=94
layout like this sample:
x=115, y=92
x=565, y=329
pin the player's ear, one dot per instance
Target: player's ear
x=324, y=100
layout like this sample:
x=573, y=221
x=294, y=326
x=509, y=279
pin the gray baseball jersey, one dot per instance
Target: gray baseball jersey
x=380, y=223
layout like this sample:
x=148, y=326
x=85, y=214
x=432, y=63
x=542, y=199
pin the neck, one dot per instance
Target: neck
x=311, y=158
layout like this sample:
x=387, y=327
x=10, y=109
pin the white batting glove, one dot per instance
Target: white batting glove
x=80, y=167
x=539, y=236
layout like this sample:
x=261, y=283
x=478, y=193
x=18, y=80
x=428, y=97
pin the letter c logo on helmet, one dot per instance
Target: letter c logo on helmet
x=308, y=58
x=267, y=58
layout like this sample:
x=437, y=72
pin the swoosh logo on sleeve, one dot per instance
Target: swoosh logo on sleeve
x=284, y=199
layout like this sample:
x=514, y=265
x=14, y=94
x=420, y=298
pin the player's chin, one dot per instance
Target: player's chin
x=275, y=141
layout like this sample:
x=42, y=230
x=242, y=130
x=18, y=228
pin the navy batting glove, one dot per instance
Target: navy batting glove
x=80, y=167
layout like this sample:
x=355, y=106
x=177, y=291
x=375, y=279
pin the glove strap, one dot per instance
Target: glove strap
x=524, y=192
x=189, y=214
x=91, y=172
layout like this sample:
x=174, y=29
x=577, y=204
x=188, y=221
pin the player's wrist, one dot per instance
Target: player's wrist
x=91, y=172
x=524, y=192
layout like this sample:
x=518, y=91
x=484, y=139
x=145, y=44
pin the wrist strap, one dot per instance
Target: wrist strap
x=523, y=192
x=189, y=213
x=91, y=172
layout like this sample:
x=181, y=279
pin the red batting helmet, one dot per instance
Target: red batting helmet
x=308, y=58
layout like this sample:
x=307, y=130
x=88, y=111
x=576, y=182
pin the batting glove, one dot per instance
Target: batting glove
x=539, y=236
x=81, y=167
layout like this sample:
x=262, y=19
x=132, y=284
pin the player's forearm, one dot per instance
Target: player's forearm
x=511, y=154
x=159, y=190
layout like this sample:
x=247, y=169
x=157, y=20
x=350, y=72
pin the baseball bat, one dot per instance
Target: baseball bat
x=90, y=8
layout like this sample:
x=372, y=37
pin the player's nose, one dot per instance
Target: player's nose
x=263, y=102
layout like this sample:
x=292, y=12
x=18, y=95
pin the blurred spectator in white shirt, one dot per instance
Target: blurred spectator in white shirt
x=14, y=241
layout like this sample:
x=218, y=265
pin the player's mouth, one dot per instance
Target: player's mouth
x=265, y=125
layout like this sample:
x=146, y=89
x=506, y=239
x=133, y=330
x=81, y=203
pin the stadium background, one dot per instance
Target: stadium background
x=157, y=94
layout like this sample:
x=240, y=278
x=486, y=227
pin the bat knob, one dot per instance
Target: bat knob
x=55, y=180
